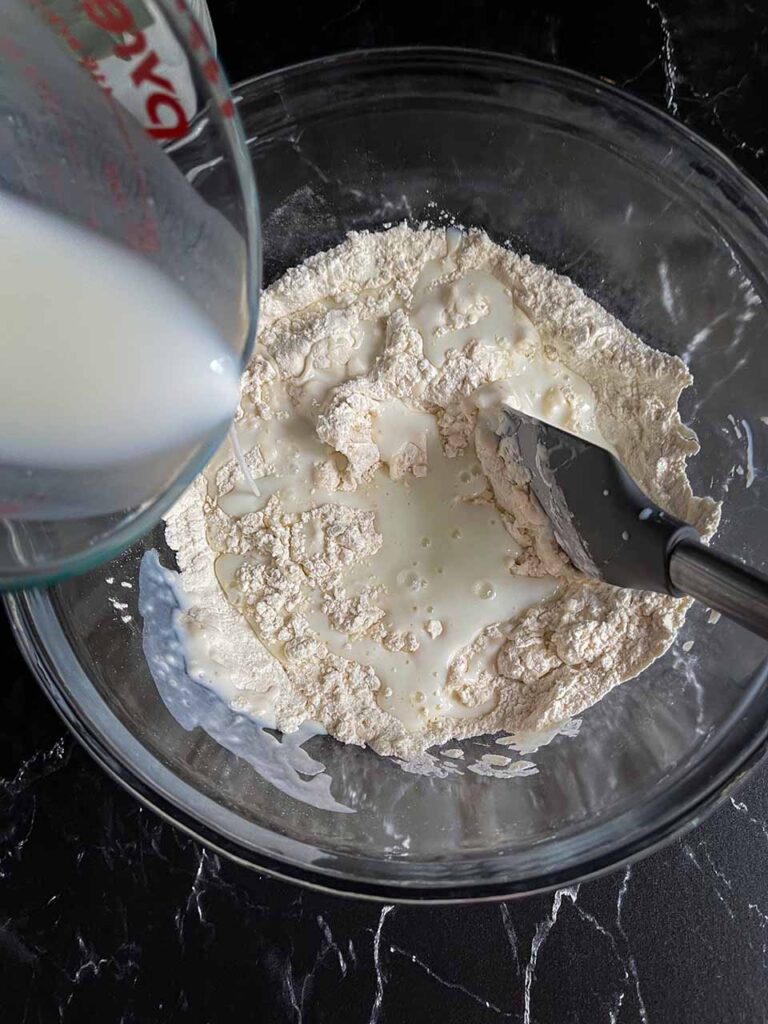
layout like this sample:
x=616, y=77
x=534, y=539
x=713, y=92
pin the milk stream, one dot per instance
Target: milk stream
x=110, y=379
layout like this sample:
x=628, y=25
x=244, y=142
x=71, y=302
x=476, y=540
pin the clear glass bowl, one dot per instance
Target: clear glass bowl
x=667, y=234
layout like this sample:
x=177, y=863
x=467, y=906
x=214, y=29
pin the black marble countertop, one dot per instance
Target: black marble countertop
x=109, y=914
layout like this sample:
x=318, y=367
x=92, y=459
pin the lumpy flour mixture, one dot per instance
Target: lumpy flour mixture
x=392, y=581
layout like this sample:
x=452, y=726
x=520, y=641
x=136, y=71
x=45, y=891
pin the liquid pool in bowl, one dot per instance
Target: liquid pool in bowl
x=663, y=231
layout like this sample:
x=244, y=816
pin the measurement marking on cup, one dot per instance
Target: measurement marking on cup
x=113, y=16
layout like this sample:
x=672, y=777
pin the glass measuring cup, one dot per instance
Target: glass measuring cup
x=115, y=118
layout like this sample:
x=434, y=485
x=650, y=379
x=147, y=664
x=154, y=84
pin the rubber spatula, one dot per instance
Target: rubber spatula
x=613, y=532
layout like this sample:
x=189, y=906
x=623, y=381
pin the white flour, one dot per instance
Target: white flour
x=373, y=358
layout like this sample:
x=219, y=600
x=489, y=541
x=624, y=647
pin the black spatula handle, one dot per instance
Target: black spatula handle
x=722, y=583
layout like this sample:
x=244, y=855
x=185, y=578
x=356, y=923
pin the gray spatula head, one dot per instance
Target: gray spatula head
x=602, y=520
x=613, y=532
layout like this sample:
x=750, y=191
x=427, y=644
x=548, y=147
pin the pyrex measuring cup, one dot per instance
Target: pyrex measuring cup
x=115, y=115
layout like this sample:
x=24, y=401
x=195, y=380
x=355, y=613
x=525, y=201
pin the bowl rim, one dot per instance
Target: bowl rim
x=710, y=781
x=358, y=56
x=22, y=614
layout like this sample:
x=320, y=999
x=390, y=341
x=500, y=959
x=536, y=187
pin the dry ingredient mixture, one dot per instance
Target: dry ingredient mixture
x=392, y=581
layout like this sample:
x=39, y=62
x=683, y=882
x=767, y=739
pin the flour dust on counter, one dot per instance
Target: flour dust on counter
x=389, y=577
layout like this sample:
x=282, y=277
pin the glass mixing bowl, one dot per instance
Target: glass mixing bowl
x=667, y=234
